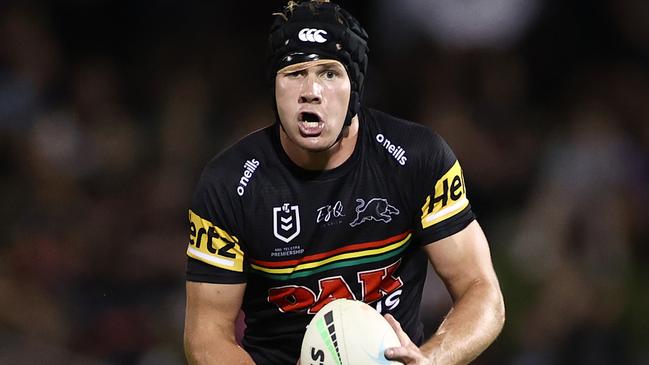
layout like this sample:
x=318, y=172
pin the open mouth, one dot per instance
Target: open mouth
x=310, y=124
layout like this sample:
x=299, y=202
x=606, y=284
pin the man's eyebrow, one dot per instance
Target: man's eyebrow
x=331, y=65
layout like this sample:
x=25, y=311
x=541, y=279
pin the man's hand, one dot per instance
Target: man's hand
x=408, y=353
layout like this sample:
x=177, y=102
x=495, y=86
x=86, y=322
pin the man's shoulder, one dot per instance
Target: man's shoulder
x=241, y=158
x=415, y=138
x=385, y=119
x=256, y=144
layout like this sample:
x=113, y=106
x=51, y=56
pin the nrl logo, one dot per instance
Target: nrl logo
x=286, y=222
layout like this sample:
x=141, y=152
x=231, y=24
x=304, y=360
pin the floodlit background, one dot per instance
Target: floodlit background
x=109, y=110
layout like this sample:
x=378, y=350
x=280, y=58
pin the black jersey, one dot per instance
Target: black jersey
x=301, y=238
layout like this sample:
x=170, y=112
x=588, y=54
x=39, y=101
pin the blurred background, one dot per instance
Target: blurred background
x=109, y=110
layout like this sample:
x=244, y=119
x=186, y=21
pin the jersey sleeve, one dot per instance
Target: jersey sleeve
x=445, y=208
x=214, y=251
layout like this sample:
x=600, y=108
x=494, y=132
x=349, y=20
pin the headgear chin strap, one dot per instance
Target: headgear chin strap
x=316, y=30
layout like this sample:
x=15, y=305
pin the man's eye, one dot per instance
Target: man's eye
x=330, y=74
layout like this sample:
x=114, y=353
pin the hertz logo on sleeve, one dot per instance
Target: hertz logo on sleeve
x=449, y=199
x=212, y=245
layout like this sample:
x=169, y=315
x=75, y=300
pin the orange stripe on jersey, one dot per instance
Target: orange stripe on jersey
x=324, y=255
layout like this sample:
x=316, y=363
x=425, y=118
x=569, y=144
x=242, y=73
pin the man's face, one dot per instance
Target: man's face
x=312, y=100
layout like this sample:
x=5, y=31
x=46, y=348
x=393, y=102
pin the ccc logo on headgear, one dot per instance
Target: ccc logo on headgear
x=312, y=35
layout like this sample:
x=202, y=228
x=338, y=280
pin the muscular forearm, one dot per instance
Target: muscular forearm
x=215, y=351
x=210, y=322
x=470, y=327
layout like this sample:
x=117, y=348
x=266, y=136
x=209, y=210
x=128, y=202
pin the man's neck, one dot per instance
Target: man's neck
x=329, y=159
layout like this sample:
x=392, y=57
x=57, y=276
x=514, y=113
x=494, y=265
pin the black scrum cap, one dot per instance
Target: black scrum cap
x=315, y=30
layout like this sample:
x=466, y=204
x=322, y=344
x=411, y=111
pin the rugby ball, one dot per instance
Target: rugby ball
x=347, y=332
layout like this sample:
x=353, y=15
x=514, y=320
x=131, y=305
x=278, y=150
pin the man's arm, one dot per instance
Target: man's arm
x=463, y=262
x=210, y=318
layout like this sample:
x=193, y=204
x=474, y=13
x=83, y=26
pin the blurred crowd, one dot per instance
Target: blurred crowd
x=109, y=110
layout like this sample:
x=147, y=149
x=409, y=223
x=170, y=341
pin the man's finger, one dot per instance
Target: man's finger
x=396, y=326
x=401, y=354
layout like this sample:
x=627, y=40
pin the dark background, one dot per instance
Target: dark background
x=109, y=110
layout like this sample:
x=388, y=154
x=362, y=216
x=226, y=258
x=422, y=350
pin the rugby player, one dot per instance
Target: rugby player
x=332, y=200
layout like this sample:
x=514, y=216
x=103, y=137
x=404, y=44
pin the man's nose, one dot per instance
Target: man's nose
x=311, y=90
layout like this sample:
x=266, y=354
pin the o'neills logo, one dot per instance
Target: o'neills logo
x=249, y=169
x=397, y=152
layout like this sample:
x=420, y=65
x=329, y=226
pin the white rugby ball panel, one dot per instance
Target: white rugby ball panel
x=347, y=332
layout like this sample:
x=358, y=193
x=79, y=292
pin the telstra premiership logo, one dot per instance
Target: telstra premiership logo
x=286, y=222
x=312, y=35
